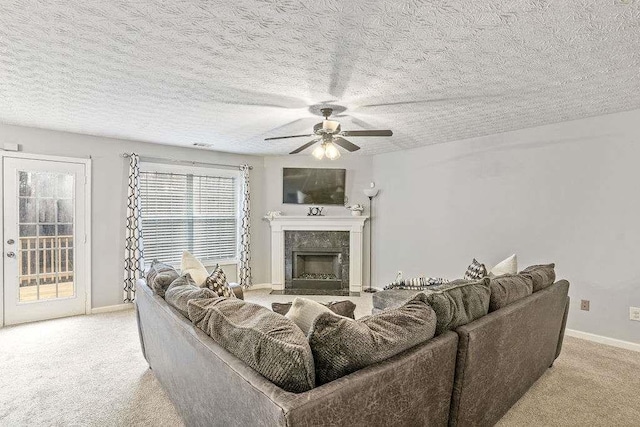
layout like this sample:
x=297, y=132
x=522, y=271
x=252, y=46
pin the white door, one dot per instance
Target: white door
x=45, y=254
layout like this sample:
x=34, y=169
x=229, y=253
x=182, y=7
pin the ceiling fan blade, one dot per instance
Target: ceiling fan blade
x=304, y=147
x=434, y=100
x=347, y=145
x=236, y=96
x=366, y=133
x=285, y=137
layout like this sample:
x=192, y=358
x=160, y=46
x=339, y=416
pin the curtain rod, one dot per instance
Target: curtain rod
x=185, y=162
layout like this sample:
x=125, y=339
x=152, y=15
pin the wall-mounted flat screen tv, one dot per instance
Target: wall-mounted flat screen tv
x=310, y=186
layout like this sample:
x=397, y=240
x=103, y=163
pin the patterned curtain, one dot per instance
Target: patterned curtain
x=134, y=249
x=245, y=233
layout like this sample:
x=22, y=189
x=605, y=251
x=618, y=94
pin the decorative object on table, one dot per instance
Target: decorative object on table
x=315, y=211
x=417, y=283
x=313, y=186
x=356, y=210
x=273, y=214
x=371, y=192
x=329, y=134
x=476, y=270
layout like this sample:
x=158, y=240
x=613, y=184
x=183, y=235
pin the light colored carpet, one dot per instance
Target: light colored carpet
x=88, y=370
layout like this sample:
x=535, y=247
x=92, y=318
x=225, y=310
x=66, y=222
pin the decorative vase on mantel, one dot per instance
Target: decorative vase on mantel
x=356, y=210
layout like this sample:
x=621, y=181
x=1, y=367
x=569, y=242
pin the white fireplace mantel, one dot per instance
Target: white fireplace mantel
x=353, y=224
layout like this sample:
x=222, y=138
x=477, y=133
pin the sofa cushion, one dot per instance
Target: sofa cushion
x=183, y=290
x=341, y=346
x=344, y=308
x=266, y=341
x=194, y=267
x=304, y=311
x=476, y=270
x=217, y=282
x=506, y=266
x=160, y=276
x=509, y=288
x=543, y=276
x=459, y=302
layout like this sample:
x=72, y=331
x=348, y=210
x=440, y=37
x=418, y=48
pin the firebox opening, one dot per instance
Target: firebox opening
x=317, y=269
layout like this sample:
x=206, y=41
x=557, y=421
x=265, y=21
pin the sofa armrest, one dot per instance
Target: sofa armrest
x=503, y=353
x=564, y=327
x=237, y=290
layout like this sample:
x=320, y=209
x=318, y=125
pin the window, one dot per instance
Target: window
x=183, y=211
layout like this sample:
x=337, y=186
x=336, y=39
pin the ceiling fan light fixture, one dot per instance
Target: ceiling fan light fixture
x=331, y=151
x=330, y=125
x=318, y=152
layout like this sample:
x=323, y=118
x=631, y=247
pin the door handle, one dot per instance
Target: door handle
x=11, y=254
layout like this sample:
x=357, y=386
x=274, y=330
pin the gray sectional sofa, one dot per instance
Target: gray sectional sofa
x=211, y=387
x=467, y=377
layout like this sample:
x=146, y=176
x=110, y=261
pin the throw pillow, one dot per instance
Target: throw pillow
x=459, y=302
x=266, y=341
x=217, y=282
x=183, y=290
x=509, y=288
x=475, y=271
x=507, y=266
x=194, y=267
x=543, y=276
x=416, y=283
x=344, y=308
x=341, y=346
x=304, y=311
x=160, y=276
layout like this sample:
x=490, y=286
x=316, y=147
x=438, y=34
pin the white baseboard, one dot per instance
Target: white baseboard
x=111, y=308
x=257, y=286
x=603, y=340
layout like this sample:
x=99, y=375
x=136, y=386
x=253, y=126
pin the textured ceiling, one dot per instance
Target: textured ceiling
x=230, y=73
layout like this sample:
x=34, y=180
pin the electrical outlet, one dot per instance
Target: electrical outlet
x=634, y=313
x=584, y=305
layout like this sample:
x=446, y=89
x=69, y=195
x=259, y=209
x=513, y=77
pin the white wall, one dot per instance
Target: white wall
x=109, y=196
x=567, y=193
x=358, y=177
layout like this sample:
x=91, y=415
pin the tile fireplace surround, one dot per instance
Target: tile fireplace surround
x=353, y=224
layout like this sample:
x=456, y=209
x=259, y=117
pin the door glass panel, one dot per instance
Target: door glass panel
x=27, y=231
x=27, y=187
x=46, y=225
x=46, y=211
x=27, y=210
x=65, y=210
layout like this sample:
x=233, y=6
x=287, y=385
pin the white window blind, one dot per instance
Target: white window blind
x=197, y=213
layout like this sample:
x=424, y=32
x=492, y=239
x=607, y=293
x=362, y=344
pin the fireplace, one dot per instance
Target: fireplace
x=317, y=234
x=317, y=269
x=316, y=260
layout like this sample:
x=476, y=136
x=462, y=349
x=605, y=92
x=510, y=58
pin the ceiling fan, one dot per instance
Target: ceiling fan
x=330, y=135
